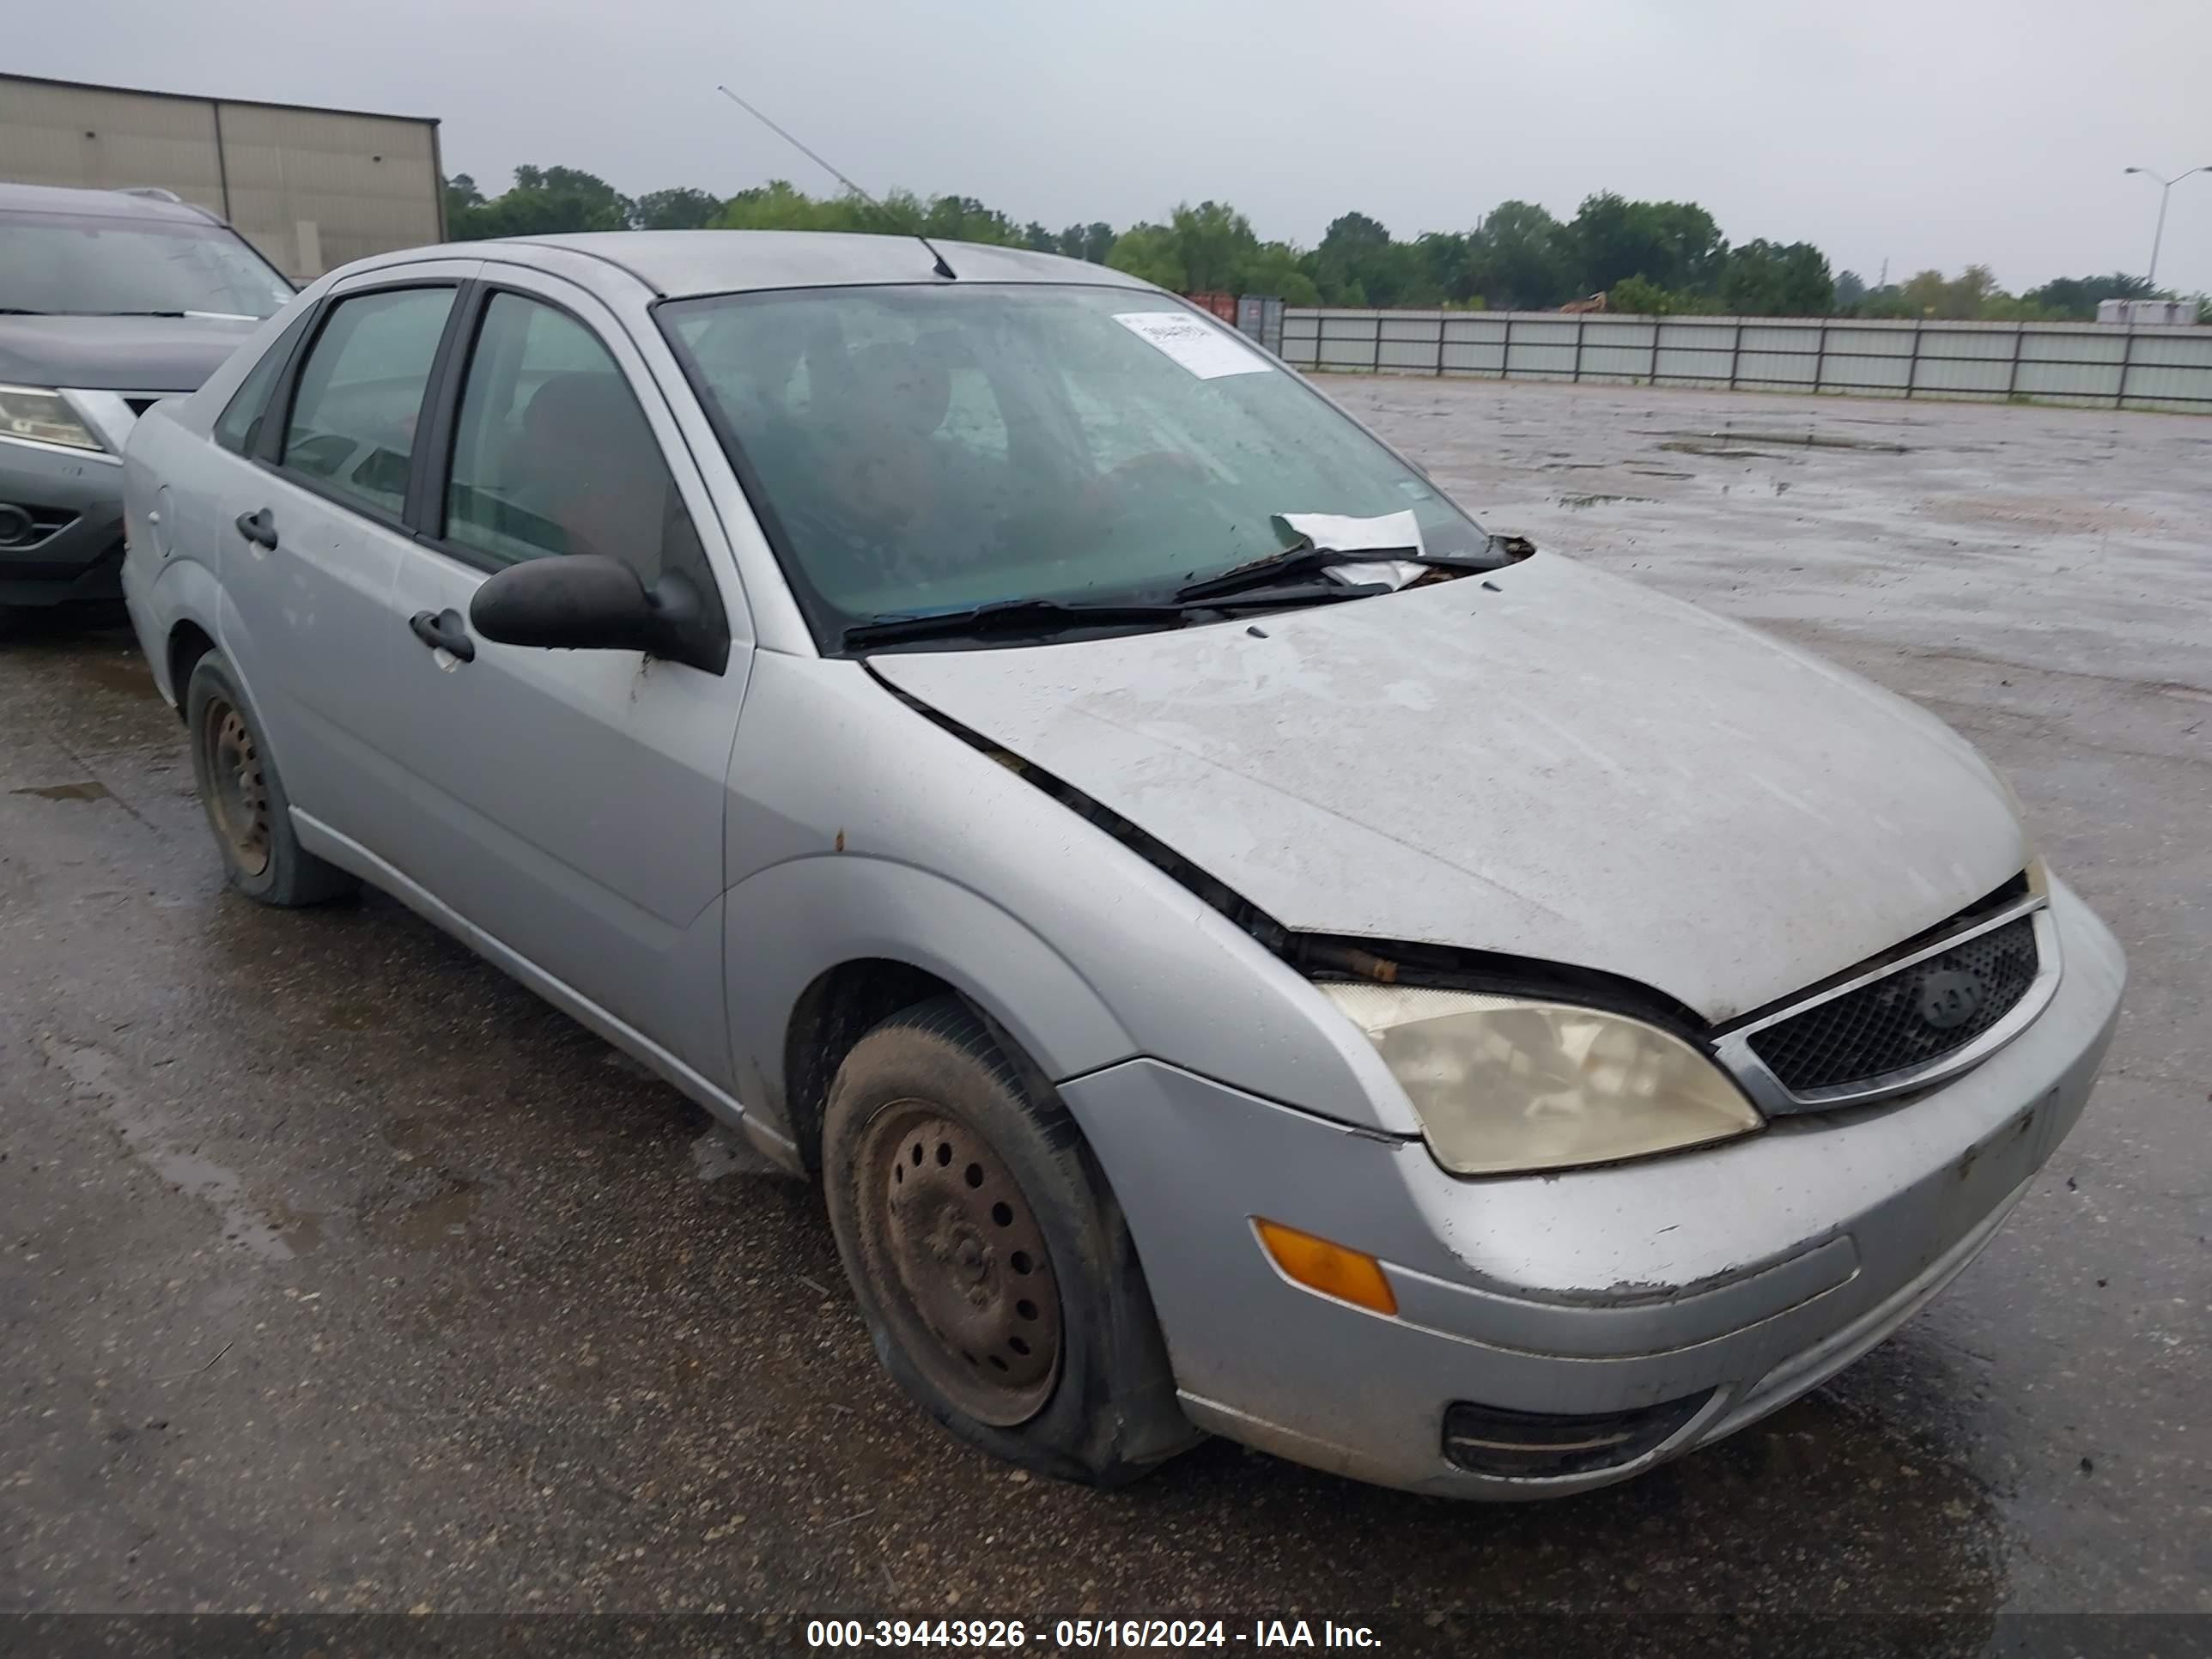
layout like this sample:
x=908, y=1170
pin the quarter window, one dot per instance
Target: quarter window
x=552, y=454
x=352, y=425
x=240, y=426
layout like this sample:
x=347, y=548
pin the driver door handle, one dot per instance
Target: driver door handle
x=444, y=630
x=259, y=528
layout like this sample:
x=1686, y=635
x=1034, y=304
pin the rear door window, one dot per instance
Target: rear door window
x=351, y=430
x=239, y=428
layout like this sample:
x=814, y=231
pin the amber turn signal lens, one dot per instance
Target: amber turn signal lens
x=1332, y=1270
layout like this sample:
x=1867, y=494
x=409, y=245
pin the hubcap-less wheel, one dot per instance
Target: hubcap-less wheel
x=958, y=1262
x=240, y=802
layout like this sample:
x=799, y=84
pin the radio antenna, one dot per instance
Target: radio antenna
x=943, y=269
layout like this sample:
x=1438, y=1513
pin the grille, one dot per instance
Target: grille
x=1914, y=1016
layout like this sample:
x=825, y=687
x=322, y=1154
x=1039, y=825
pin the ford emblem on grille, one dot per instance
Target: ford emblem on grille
x=1950, y=997
x=1904, y=1019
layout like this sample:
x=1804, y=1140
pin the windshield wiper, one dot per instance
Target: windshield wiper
x=1039, y=617
x=1310, y=561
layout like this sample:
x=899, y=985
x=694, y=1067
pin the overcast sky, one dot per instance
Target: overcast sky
x=1926, y=132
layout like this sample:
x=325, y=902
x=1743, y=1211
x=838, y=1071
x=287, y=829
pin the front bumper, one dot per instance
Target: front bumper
x=1752, y=1270
x=74, y=499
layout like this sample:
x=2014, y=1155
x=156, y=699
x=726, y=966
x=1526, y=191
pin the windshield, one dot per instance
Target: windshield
x=90, y=262
x=928, y=449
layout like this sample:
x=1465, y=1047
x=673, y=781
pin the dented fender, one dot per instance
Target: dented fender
x=898, y=841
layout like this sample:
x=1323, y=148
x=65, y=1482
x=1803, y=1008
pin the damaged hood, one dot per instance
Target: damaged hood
x=1570, y=767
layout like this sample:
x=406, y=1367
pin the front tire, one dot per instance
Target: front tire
x=990, y=1259
x=245, y=799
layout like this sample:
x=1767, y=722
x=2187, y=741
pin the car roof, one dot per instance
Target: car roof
x=105, y=204
x=675, y=264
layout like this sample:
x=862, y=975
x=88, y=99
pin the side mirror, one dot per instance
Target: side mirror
x=579, y=601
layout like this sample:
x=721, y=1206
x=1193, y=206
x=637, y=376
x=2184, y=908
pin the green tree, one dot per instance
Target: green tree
x=1276, y=269
x=675, y=210
x=1766, y=279
x=544, y=201
x=780, y=205
x=1639, y=298
x=1930, y=293
x=1850, y=288
x=1352, y=265
x=1092, y=242
x=1213, y=240
x=461, y=195
x=1521, y=258
x=2079, y=297
x=1445, y=260
x=1149, y=254
x=1676, y=244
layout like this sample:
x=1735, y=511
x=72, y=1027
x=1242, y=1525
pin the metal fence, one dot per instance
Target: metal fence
x=2082, y=363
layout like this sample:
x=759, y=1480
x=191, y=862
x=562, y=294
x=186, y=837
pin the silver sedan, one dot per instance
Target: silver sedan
x=1242, y=948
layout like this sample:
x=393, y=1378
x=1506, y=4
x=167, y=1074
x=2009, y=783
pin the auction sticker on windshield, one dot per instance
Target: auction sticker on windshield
x=1205, y=352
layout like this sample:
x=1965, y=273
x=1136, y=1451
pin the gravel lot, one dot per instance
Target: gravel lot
x=341, y=1274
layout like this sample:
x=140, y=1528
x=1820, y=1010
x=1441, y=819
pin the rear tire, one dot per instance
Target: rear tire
x=245, y=799
x=990, y=1259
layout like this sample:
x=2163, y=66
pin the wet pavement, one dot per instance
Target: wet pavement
x=339, y=1273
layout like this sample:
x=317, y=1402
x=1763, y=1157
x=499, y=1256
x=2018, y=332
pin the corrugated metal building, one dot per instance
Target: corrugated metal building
x=311, y=188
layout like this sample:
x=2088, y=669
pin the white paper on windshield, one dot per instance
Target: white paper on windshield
x=1206, y=351
x=1393, y=573
x=1387, y=533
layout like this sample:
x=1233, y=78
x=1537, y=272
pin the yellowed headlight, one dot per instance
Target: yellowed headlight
x=44, y=416
x=1504, y=1085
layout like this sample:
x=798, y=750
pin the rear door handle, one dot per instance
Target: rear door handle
x=444, y=630
x=258, y=527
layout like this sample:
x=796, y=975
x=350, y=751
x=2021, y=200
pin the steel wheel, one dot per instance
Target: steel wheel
x=239, y=798
x=958, y=1262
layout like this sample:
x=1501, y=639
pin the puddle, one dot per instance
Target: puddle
x=302, y=1229
x=1718, y=452
x=273, y=1233
x=1577, y=503
x=127, y=674
x=1808, y=438
x=2054, y=515
x=436, y=1222
x=407, y=1134
x=87, y=790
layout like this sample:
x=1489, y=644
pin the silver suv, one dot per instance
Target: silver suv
x=108, y=300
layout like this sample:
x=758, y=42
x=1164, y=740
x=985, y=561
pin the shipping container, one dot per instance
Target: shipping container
x=2148, y=314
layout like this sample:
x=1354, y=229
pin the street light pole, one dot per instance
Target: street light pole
x=2165, y=189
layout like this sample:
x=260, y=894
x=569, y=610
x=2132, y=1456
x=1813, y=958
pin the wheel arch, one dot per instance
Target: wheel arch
x=823, y=949
x=187, y=643
x=184, y=604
